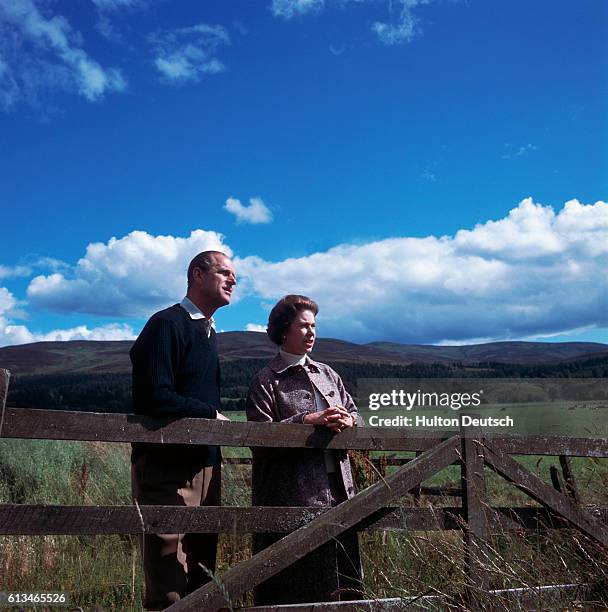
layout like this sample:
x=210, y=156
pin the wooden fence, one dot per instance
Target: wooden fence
x=309, y=528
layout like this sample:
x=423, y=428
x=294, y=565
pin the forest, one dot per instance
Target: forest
x=112, y=392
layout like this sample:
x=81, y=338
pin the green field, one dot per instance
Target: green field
x=105, y=571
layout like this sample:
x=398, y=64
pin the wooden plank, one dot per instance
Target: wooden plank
x=474, y=501
x=533, y=486
x=94, y=520
x=30, y=423
x=24, y=519
x=336, y=520
x=417, y=490
x=550, y=445
x=516, y=519
x=391, y=460
x=4, y=378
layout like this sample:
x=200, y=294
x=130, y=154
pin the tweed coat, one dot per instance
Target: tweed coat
x=298, y=477
x=281, y=393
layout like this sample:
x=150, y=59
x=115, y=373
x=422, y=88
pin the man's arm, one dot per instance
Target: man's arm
x=155, y=357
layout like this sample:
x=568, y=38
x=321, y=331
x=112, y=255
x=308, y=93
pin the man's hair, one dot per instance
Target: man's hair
x=284, y=313
x=204, y=261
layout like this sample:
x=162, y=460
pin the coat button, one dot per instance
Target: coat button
x=331, y=394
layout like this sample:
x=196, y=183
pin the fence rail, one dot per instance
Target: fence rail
x=36, y=519
x=29, y=423
x=308, y=528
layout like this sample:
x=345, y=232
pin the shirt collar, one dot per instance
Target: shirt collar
x=283, y=361
x=194, y=311
x=291, y=359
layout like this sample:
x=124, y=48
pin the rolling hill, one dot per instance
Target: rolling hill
x=96, y=357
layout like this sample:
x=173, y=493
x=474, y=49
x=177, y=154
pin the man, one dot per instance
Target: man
x=176, y=373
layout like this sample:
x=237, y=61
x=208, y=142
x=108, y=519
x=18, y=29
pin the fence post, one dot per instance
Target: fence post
x=571, y=488
x=4, y=378
x=417, y=490
x=476, y=550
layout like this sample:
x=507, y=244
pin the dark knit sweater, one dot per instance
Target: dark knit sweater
x=176, y=373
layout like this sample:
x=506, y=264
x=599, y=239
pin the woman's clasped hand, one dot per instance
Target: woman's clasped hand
x=335, y=418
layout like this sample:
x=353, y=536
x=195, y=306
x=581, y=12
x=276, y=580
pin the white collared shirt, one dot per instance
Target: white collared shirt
x=195, y=313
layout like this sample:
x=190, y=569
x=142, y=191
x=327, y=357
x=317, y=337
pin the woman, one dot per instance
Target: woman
x=293, y=388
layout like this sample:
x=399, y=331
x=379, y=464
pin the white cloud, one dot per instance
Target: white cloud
x=129, y=276
x=512, y=151
x=39, y=52
x=50, y=263
x=257, y=212
x=107, y=10
x=9, y=88
x=19, y=334
x=255, y=327
x=404, y=28
x=532, y=231
x=13, y=271
x=401, y=27
x=288, y=9
x=29, y=264
x=534, y=272
x=111, y=331
x=106, y=28
x=527, y=232
x=7, y=301
x=114, y=5
x=185, y=54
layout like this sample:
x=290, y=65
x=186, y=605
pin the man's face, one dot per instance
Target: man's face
x=215, y=286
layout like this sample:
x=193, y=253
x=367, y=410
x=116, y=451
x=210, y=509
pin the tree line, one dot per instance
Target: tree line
x=112, y=392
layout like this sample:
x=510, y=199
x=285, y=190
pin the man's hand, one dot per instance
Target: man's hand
x=335, y=418
x=221, y=417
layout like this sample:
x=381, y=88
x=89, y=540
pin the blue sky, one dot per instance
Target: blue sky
x=430, y=171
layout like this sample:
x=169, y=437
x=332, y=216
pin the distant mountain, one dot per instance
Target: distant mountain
x=75, y=356
x=496, y=352
x=94, y=357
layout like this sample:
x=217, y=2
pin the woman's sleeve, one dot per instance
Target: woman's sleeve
x=347, y=400
x=260, y=403
x=261, y=407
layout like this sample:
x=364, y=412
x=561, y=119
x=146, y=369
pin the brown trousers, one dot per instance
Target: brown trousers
x=173, y=563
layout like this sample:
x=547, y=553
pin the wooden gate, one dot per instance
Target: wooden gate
x=309, y=528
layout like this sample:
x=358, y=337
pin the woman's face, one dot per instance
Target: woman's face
x=300, y=336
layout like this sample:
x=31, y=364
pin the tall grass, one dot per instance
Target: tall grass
x=93, y=570
x=105, y=571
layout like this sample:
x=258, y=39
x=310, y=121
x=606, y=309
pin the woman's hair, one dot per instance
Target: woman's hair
x=284, y=313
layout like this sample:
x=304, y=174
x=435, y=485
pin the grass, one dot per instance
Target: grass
x=105, y=571
x=93, y=570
